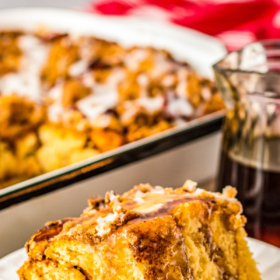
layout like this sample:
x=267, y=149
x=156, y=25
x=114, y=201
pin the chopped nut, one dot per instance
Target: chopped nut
x=111, y=198
x=189, y=186
x=95, y=203
x=229, y=192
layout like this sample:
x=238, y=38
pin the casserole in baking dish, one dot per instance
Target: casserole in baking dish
x=65, y=98
x=160, y=93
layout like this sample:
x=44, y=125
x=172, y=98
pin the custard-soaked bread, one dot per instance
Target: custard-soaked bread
x=147, y=233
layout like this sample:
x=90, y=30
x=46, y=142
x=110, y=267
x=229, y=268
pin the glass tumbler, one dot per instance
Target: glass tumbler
x=249, y=80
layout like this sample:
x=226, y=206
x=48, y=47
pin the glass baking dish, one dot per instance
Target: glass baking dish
x=199, y=50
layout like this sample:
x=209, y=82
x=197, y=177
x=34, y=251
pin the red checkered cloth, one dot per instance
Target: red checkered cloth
x=236, y=23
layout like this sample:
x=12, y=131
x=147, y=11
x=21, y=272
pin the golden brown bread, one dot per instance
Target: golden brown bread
x=147, y=233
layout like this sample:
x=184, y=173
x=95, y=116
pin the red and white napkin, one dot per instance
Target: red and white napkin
x=235, y=22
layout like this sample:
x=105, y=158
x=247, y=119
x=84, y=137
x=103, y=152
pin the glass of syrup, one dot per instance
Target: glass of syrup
x=249, y=80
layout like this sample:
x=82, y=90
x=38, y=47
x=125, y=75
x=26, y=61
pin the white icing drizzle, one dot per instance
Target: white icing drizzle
x=55, y=112
x=98, y=103
x=103, y=120
x=181, y=88
x=129, y=113
x=139, y=193
x=161, y=65
x=78, y=68
x=152, y=105
x=102, y=98
x=103, y=224
x=168, y=80
x=134, y=58
x=180, y=107
x=26, y=82
x=34, y=54
x=158, y=189
x=139, y=199
x=116, y=76
x=56, y=109
x=206, y=94
x=23, y=84
x=56, y=92
x=143, y=80
x=88, y=80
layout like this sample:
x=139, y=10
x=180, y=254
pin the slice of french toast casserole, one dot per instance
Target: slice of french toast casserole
x=146, y=233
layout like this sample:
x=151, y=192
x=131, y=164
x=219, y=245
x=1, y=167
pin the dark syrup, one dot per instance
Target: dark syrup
x=259, y=192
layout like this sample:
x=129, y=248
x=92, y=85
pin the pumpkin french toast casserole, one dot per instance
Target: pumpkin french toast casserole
x=64, y=98
x=148, y=233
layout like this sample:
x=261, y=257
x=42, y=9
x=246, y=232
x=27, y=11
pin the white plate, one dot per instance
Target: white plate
x=267, y=257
